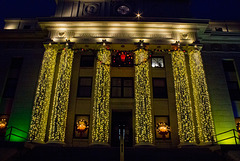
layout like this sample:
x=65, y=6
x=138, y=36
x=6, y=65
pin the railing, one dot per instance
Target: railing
x=236, y=138
x=11, y=133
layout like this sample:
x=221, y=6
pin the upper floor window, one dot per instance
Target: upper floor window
x=231, y=79
x=12, y=79
x=122, y=87
x=158, y=62
x=84, y=87
x=10, y=88
x=87, y=61
x=159, y=88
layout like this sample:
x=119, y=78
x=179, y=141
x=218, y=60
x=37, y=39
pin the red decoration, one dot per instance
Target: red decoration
x=123, y=57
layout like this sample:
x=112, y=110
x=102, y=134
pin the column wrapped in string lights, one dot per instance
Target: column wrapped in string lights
x=144, y=127
x=41, y=105
x=61, y=97
x=186, y=129
x=100, y=125
x=201, y=97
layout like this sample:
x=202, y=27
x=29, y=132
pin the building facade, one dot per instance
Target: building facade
x=98, y=69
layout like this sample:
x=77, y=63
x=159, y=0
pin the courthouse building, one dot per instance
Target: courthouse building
x=99, y=69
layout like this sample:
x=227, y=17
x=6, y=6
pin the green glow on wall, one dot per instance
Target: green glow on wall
x=223, y=126
x=20, y=118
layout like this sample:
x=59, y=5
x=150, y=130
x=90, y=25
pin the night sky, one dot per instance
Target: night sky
x=208, y=9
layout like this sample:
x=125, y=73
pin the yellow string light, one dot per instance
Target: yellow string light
x=186, y=129
x=201, y=97
x=61, y=96
x=40, y=111
x=100, y=125
x=144, y=133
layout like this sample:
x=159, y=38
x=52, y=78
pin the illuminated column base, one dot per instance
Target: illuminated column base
x=144, y=127
x=205, y=124
x=61, y=96
x=186, y=129
x=41, y=105
x=100, y=124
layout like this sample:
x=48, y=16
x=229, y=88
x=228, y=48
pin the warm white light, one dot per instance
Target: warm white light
x=186, y=128
x=61, y=97
x=138, y=15
x=11, y=26
x=143, y=98
x=41, y=104
x=201, y=97
x=100, y=123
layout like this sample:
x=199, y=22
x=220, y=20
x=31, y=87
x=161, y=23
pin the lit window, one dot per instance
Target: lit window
x=157, y=62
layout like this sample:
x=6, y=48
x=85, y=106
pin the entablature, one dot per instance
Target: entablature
x=123, y=32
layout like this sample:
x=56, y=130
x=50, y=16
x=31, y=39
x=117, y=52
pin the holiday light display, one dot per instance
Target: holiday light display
x=3, y=124
x=186, y=129
x=43, y=94
x=100, y=125
x=61, y=96
x=144, y=133
x=201, y=97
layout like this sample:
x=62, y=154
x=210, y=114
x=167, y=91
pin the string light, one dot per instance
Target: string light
x=61, y=96
x=201, y=97
x=186, y=129
x=40, y=110
x=100, y=126
x=144, y=133
x=139, y=15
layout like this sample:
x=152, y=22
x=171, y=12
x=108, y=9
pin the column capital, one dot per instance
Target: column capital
x=195, y=47
x=58, y=46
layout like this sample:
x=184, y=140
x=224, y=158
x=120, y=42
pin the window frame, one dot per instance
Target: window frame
x=85, y=65
x=154, y=88
x=228, y=68
x=158, y=57
x=78, y=88
x=122, y=86
x=161, y=117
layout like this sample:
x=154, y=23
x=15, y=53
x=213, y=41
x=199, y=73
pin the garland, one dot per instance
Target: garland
x=151, y=53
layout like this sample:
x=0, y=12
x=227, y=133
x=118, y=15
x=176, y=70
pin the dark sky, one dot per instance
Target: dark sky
x=26, y=9
x=209, y=9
